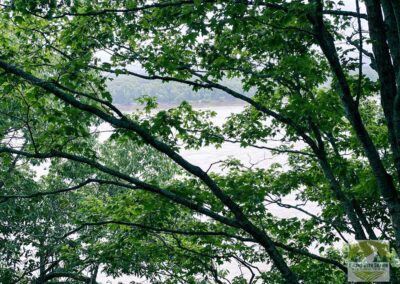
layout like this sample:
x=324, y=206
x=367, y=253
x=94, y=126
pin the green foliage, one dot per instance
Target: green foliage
x=121, y=206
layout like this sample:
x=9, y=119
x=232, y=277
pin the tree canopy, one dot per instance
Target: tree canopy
x=321, y=87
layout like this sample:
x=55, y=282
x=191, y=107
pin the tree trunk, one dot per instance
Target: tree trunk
x=384, y=66
x=384, y=180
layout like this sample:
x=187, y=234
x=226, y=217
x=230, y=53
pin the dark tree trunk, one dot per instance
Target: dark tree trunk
x=384, y=180
x=384, y=65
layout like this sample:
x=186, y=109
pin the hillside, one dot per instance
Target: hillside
x=126, y=89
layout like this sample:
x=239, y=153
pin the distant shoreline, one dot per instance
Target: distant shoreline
x=129, y=108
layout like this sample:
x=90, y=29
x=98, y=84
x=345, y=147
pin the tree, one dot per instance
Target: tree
x=310, y=93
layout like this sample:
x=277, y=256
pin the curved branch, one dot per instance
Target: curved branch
x=345, y=13
x=273, y=149
x=66, y=274
x=152, y=77
x=37, y=194
x=121, y=10
x=311, y=255
x=208, y=233
x=138, y=183
x=160, y=230
x=78, y=186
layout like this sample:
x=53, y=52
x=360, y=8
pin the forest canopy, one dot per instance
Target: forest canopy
x=87, y=189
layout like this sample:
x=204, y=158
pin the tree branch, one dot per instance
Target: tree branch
x=67, y=274
x=205, y=233
x=78, y=186
x=138, y=184
x=121, y=10
x=346, y=13
x=160, y=230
